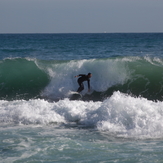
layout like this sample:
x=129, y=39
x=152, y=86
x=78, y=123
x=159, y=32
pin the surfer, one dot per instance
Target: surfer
x=82, y=79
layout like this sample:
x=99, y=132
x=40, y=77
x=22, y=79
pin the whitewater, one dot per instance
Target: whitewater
x=120, y=114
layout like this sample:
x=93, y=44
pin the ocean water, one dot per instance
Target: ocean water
x=119, y=120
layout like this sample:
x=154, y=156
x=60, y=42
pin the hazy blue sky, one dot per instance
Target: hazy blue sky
x=71, y=16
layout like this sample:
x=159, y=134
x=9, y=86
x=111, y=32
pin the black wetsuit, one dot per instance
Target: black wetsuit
x=81, y=80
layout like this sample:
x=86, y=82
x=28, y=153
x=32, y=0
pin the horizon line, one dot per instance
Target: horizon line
x=77, y=32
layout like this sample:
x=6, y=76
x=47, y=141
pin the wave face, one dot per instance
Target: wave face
x=24, y=78
x=21, y=79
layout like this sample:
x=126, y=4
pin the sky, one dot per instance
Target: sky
x=81, y=16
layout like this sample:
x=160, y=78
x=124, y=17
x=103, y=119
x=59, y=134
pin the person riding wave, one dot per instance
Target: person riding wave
x=82, y=79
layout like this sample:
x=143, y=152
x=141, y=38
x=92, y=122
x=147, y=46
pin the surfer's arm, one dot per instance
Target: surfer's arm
x=79, y=75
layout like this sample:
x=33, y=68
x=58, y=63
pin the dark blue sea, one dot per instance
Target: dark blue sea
x=120, y=120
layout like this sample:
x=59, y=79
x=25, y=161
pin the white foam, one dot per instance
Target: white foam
x=132, y=116
x=120, y=114
x=28, y=112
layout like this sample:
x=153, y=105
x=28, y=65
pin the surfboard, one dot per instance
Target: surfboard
x=75, y=95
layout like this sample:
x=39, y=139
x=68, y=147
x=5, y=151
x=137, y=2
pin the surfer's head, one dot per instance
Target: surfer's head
x=89, y=75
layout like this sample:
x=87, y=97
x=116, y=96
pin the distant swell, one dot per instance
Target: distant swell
x=24, y=78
